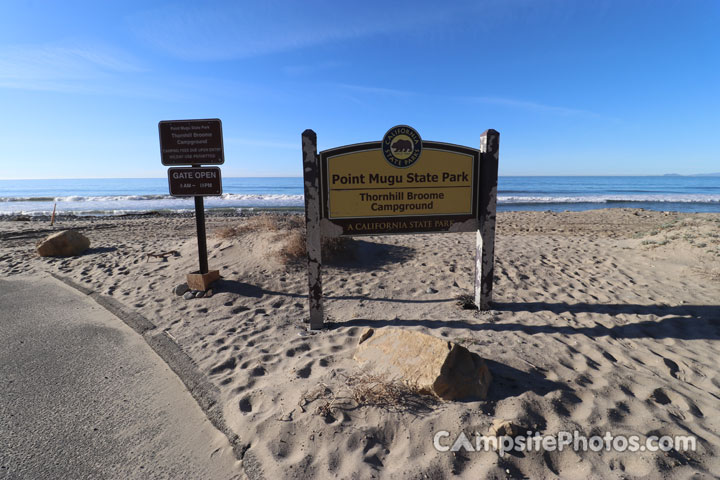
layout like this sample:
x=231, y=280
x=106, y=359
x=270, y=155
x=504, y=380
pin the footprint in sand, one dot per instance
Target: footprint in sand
x=619, y=412
x=674, y=368
x=659, y=396
x=608, y=356
x=303, y=347
x=258, y=371
x=305, y=371
x=228, y=364
x=584, y=409
x=245, y=405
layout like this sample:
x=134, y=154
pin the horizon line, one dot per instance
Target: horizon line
x=298, y=176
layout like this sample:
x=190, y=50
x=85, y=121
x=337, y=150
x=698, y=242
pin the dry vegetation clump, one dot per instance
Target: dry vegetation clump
x=368, y=390
x=264, y=222
x=466, y=302
x=226, y=232
x=291, y=231
x=293, y=251
x=333, y=248
x=699, y=233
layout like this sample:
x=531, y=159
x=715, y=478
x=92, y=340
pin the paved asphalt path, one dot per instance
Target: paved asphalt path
x=83, y=396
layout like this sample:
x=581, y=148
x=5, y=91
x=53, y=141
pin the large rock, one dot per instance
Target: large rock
x=433, y=365
x=63, y=244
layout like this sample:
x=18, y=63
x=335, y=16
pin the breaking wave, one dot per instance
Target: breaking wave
x=658, y=198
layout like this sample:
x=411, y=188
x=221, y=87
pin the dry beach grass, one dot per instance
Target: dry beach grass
x=604, y=320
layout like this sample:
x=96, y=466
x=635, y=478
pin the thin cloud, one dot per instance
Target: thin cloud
x=214, y=31
x=48, y=62
x=68, y=69
x=527, y=105
x=502, y=101
x=82, y=70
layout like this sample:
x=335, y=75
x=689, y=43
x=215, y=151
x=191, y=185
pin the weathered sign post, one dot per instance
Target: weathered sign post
x=401, y=184
x=194, y=142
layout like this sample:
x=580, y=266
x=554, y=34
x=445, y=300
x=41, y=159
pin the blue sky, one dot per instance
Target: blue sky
x=574, y=87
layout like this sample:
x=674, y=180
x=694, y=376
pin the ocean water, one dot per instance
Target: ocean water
x=123, y=196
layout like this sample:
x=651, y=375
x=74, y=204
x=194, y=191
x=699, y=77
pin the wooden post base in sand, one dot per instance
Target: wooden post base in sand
x=202, y=281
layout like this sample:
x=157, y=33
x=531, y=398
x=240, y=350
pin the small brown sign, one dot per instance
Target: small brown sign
x=195, y=181
x=191, y=142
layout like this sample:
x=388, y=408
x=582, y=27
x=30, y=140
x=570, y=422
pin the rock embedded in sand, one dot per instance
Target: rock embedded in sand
x=67, y=243
x=181, y=289
x=433, y=365
x=188, y=295
x=502, y=427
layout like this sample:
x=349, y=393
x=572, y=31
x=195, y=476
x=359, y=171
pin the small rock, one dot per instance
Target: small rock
x=502, y=427
x=181, y=289
x=188, y=295
x=199, y=294
x=209, y=293
x=431, y=290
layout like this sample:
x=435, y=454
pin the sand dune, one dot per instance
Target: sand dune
x=604, y=321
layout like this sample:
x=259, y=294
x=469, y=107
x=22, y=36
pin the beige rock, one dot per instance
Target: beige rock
x=433, y=365
x=502, y=427
x=63, y=244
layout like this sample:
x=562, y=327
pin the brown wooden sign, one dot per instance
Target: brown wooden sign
x=195, y=181
x=191, y=142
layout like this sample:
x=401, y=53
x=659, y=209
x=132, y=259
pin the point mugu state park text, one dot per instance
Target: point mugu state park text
x=410, y=177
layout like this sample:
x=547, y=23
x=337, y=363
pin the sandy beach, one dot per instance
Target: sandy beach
x=604, y=320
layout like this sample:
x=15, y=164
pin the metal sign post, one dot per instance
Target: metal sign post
x=202, y=239
x=194, y=142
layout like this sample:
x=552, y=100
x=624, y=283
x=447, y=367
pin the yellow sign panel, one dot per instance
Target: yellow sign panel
x=365, y=184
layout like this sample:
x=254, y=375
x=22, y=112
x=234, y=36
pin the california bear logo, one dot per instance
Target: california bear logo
x=401, y=146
